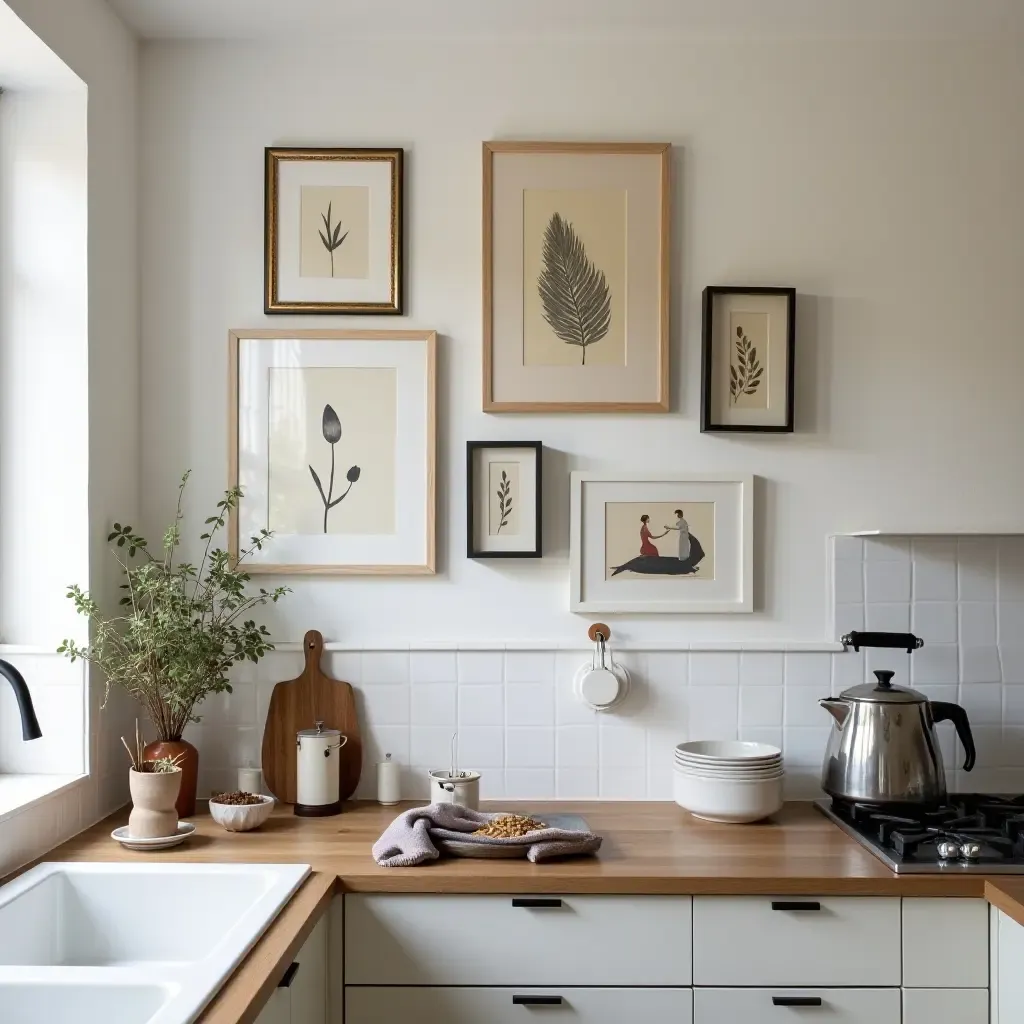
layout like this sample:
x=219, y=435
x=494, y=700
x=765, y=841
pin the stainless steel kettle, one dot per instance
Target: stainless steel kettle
x=883, y=748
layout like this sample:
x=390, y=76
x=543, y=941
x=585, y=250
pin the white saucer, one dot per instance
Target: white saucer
x=185, y=829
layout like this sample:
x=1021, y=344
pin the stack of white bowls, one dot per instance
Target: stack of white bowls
x=728, y=780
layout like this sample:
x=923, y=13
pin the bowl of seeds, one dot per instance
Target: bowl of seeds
x=240, y=812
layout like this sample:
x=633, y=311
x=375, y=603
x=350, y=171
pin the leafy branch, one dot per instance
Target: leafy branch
x=504, y=500
x=182, y=626
x=745, y=374
x=331, y=240
x=331, y=427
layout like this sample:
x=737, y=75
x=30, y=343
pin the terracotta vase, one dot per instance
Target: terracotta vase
x=189, y=765
x=153, y=813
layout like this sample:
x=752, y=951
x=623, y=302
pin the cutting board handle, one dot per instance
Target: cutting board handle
x=313, y=646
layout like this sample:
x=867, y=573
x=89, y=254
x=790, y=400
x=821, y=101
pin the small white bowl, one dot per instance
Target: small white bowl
x=242, y=817
x=743, y=776
x=734, y=802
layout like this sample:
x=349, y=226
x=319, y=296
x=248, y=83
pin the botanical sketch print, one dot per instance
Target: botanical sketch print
x=503, y=503
x=659, y=538
x=574, y=277
x=335, y=226
x=748, y=360
x=332, y=438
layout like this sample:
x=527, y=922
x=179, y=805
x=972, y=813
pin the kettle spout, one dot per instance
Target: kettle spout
x=838, y=709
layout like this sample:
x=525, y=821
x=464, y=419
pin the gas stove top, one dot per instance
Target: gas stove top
x=973, y=832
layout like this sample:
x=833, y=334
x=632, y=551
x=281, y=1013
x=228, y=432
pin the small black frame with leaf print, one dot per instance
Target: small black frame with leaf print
x=747, y=363
x=503, y=499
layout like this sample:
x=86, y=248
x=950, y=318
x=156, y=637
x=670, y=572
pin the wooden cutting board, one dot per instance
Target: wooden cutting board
x=299, y=704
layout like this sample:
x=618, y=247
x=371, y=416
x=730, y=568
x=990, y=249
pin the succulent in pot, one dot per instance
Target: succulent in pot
x=181, y=629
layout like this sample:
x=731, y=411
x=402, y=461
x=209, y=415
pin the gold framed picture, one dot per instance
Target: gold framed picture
x=333, y=231
x=576, y=253
x=332, y=442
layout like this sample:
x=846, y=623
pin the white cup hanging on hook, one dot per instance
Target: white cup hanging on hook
x=600, y=683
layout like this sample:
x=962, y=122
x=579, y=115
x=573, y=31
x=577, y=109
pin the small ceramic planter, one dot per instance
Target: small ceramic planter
x=153, y=795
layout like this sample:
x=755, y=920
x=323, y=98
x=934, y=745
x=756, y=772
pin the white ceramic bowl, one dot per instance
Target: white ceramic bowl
x=775, y=773
x=738, y=751
x=732, y=801
x=242, y=817
x=705, y=762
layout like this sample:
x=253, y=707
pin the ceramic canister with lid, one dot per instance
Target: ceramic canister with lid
x=318, y=771
x=461, y=788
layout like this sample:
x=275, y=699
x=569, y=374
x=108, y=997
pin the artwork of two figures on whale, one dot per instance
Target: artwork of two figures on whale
x=673, y=540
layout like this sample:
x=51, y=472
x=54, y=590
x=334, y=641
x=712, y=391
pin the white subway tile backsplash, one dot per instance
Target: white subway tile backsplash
x=802, y=707
x=1012, y=662
x=935, y=664
x=849, y=618
x=434, y=704
x=935, y=621
x=887, y=549
x=1011, y=621
x=976, y=561
x=481, y=747
x=386, y=705
x=529, y=704
x=849, y=580
x=385, y=667
x=885, y=582
x=433, y=667
x=481, y=705
x=622, y=783
x=1011, y=569
x=530, y=747
x=887, y=618
x=530, y=783
x=622, y=745
x=576, y=746
x=983, y=702
x=847, y=670
x=934, y=575
x=577, y=784
x=430, y=746
x=761, y=668
x=481, y=667
x=977, y=623
x=980, y=665
x=809, y=670
x=714, y=712
x=530, y=667
x=668, y=668
x=760, y=706
x=714, y=668
x=848, y=548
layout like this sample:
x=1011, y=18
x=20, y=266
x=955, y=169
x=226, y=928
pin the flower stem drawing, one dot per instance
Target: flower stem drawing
x=745, y=374
x=332, y=435
x=576, y=297
x=504, y=500
x=331, y=240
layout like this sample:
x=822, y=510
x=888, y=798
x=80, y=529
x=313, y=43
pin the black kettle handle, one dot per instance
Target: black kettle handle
x=942, y=711
x=905, y=641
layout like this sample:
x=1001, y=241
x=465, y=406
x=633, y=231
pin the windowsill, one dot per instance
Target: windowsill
x=18, y=792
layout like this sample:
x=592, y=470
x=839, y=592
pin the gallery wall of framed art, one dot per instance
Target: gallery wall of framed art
x=576, y=276
x=332, y=442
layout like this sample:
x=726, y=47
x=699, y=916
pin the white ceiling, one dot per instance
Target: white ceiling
x=265, y=19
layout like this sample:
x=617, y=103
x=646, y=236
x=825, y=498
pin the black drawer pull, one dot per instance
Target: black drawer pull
x=796, y=905
x=289, y=975
x=536, y=904
x=796, y=1000
x=536, y=1000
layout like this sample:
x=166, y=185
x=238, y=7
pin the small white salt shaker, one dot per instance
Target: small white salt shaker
x=389, y=782
x=250, y=780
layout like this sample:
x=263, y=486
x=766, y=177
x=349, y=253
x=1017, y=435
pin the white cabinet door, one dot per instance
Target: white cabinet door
x=506, y=940
x=796, y=941
x=945, y=943
x=525, y=1006
x=1008, y=980
x=945, y=1005
x=309, y=985
x=796, y=1006
x=278, y=1009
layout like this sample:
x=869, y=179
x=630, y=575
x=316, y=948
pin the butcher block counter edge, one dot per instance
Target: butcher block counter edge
x=650, y=849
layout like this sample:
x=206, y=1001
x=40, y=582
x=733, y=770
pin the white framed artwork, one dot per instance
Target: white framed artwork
x=332, y=444
x=661, y=543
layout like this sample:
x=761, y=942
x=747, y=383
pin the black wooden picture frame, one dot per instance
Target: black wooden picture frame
x=707, y=423
x=472, y=550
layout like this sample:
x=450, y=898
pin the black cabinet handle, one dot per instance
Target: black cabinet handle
x=289, y=975
x=796, y=1000
x=536, y=1000
x=536, y=904
x=797, y=905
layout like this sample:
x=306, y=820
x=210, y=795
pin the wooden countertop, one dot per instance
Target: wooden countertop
x=649, y=849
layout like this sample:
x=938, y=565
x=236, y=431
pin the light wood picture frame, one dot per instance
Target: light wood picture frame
x=570, y=283
x=333, y=227
x=332, y=440
x=661, y=543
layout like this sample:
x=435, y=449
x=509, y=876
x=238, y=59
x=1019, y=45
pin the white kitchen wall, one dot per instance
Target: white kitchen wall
x=879, y=177
x=521, y=726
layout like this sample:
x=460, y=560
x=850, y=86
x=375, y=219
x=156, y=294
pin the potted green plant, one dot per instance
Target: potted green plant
x=154, y=786
x=181, y=629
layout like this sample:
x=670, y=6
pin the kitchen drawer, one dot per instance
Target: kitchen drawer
x=505, y=940
x=794, y=940
x=760, y=1006
x=495, y=1005
x=945, y=1006
x=945, y=943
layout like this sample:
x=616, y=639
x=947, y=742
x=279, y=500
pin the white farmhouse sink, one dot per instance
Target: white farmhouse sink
x=130, y=943
x=31, y=1002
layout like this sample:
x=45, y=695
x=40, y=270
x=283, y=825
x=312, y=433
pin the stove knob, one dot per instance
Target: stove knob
x=970, y=851
x=948, y=850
